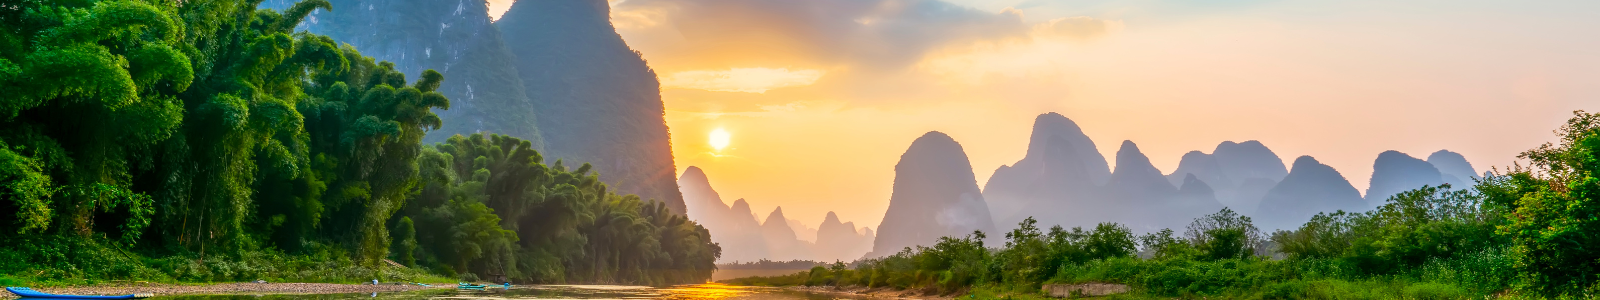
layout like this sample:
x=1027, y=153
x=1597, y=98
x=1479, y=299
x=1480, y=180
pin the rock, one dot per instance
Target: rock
x=1249, y=159
x=1062, y=170
x=1139, y=197
x=701, y=202
x=1311, y=187
x=1454, y=168
x=1240, y=173
x=782, y=243
x=1135, y=175
x=598, y=100
x=802, y=231
x=457, y=39
x=742, y=238
x=1083, y=290
x=1394, y=172
x=841, y=241
x=935, y=195
x=1203, y=166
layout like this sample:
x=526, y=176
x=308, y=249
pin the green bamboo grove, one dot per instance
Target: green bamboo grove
x=208, y=141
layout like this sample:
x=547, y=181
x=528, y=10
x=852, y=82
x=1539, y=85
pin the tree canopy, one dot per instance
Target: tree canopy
x=211, y=128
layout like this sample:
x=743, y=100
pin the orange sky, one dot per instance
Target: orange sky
x=821, y=97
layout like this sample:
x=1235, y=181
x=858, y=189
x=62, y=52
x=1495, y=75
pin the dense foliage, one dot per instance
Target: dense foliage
x=205, y=140
x=1523, y=233
x=490, y=207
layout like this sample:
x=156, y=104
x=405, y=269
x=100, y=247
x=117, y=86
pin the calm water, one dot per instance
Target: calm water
x=683, y=292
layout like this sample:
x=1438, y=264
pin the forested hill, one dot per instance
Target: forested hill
x=456, y=38
x=208, y=141
x=552, y=72
x=597, y=100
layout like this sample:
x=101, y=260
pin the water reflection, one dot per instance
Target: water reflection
x=682, y=292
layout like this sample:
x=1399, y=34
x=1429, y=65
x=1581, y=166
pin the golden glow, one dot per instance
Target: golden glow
x=825, y=110
x=746, y=80
x=720, y=139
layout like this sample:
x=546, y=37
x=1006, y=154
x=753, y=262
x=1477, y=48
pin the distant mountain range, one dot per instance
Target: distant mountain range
x=1056, y=183
x=556, y=73
x=1063, y=180
x=745, y=239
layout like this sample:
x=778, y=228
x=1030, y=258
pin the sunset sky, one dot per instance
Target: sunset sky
x=818, y=98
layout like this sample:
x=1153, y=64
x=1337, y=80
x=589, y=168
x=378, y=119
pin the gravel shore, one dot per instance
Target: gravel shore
x=230, y=288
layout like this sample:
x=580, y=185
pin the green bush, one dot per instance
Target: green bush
x=1288, y=290
x=1434, y=291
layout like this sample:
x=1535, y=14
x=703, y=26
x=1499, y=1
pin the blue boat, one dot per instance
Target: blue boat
x=469, y=286
x=30, y=293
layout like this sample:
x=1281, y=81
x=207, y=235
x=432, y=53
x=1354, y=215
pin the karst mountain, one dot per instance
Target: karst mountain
x=554, y=72
x=935, y=195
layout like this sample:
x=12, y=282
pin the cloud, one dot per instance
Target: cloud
x=747, y=80
x=878, y=34
x=1076, y=27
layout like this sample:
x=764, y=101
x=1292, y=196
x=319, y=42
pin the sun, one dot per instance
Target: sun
x=720, y=138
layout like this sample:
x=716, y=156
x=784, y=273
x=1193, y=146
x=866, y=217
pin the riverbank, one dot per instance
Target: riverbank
x=868, y=293
x=162, y=289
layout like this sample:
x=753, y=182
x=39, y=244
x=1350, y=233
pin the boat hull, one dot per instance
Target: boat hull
x=32, y=294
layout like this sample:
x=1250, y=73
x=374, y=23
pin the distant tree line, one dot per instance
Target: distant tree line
x=1526, y=232
x=771, y=265
x=205, y=140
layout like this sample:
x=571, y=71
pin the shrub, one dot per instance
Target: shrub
x=1287, y=290
x=1434, y=291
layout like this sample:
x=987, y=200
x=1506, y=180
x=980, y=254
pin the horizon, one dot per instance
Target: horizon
x=1341, y=82
x=965, y=149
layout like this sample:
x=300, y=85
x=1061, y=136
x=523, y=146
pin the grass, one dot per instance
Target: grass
x=65, y=261
x=1463, y=278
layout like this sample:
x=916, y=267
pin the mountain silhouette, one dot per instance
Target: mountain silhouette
x=1454, y=168
x=1141, y=198
x=1240, y=173
x=1249, y=159
x=1309, y=188
x=802, y=231
x=741, y=236
x=1061, y=173
x=597, y=99
x=840, y=241
x=935, y=195
x=1203, y=167
x=1394, y=172
x=745, y=239
x=457, y=39
x=782, y=242
x=1136, y=178
x=702, y=203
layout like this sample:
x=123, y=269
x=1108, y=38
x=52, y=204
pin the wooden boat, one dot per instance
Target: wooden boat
x=30, y=293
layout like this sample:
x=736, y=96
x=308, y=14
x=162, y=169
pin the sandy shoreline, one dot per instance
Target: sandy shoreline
x=161, y=289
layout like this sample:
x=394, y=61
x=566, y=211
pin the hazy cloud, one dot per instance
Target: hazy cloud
x=864, y=33
x=746, y=80
x=1076, y=27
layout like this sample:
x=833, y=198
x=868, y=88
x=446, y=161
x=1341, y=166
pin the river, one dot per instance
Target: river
x=710, y=291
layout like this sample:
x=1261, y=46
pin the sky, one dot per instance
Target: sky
x=817, y=99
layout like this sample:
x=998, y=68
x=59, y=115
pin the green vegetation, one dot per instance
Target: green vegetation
x=197, y=141
x=1519, y=234
x=490, y=207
